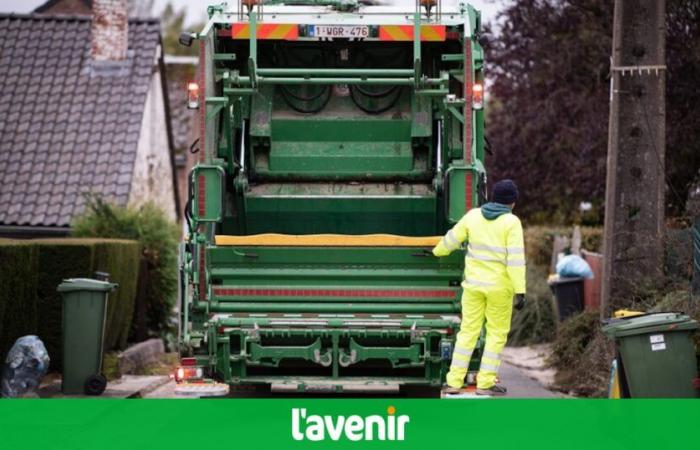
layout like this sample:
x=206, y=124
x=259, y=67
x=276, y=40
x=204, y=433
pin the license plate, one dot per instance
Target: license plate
x=339, y=31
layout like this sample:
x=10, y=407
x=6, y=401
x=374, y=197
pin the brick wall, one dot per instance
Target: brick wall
x=110, y=30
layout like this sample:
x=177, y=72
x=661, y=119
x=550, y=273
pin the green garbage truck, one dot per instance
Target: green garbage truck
x=338, y=140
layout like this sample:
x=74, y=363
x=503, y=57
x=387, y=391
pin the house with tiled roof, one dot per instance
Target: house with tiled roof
x=82, y=112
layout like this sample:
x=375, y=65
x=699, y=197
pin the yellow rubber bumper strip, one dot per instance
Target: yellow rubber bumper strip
x=328, y=240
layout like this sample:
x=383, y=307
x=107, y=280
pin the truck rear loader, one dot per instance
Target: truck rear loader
x=338, y=141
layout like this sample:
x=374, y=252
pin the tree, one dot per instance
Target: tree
x=682, y=100
x=549, y=70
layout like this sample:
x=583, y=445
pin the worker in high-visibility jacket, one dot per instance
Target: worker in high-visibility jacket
x=494, y=273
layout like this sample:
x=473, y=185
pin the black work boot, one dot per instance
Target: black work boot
x=496, y=390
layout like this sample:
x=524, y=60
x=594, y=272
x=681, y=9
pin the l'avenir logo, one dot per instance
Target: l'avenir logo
x=313, y=427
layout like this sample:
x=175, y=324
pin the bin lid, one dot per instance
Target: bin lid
x=563, y=280
x=649, y=323
x=85, y=284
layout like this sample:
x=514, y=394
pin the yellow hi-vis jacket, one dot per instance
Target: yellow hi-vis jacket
x=495, y=251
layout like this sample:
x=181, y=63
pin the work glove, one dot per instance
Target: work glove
x=440, y=250
x=519, y=302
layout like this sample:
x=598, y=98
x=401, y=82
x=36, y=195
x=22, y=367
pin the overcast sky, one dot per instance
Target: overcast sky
x=196, y=9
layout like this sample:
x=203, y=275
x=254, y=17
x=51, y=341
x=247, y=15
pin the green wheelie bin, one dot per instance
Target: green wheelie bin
x=657, y=355
x=84, y=312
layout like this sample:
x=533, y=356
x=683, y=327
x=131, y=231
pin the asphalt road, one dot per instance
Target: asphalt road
x=522, y=386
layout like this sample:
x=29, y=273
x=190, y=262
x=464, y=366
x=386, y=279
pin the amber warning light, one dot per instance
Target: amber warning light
x=192, y=95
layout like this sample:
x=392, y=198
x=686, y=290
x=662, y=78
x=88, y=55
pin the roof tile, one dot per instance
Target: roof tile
x=67, y=129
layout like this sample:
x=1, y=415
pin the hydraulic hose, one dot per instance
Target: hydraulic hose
x=387, y=107
x=319, y=108
x=292, y=98
x=382, y=94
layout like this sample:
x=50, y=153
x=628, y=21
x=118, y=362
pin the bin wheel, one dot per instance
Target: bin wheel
x=95, y=384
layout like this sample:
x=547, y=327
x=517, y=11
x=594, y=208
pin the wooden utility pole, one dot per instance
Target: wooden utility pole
x=634, y=203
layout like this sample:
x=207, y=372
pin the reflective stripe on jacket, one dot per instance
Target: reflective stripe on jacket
x=495, y=250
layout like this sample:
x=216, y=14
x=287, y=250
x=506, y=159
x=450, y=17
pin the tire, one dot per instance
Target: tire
x=95, y=384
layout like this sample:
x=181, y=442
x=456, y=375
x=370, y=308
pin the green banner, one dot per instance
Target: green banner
x=349, y=423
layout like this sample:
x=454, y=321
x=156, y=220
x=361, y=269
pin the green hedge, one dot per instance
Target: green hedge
x=122, y=263
x=58, y=260
x=18, y=281
x=30, y=271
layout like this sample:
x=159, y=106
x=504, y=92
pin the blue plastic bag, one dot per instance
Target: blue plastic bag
x=25, y=365
x=574, y=266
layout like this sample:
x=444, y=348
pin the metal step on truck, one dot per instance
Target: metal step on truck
x=338, y=141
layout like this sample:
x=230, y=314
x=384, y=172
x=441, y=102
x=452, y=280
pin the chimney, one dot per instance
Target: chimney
x=110, y=30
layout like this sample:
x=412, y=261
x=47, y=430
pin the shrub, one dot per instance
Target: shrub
x=582, y=355
x=159, y=239
x=573, y=336
x=536, y=322
x=679, y=254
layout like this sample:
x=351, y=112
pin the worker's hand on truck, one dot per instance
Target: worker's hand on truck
x=440, y=252
x=519, y=302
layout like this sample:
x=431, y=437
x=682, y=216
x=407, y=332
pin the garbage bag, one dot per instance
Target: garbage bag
x=574, y=266
x=25, y=365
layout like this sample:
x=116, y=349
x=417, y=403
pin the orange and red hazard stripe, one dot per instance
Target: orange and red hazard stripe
x=290, y=32
x=279, y=31
x=405, y=33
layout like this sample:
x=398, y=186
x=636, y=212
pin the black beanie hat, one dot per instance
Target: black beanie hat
x=505, y=192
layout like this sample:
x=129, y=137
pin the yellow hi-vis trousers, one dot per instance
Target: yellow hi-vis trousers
x=495, y=304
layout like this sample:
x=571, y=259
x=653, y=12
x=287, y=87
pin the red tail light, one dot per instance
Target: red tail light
x=192, y=95
x=188, y=362
x=478, y=96
x=188, y=373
